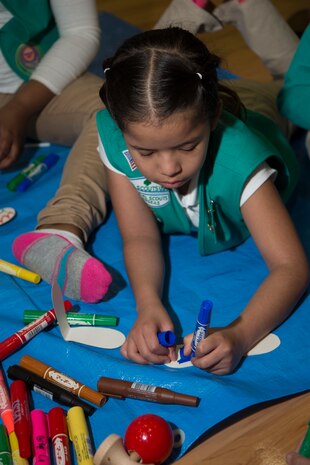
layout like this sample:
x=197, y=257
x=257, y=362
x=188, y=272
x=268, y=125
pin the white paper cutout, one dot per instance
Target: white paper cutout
x=268, y=344
x=105, y=338
x=176, y=364
x=6, y=215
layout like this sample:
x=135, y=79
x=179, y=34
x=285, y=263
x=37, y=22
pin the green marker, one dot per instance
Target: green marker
x=305, y=446
x=12, y=185
x=76, y=319
x=5, y=451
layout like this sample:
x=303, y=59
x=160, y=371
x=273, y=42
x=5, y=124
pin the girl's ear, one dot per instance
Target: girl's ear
x=217, y=116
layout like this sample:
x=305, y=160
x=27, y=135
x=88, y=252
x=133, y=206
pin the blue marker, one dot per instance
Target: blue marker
x=201, y=330
x=166, y=338
x=37, y=172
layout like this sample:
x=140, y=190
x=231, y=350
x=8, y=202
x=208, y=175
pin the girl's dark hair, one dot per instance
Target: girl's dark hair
x=154, y=74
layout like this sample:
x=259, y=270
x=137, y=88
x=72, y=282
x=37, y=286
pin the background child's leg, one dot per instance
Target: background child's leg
x=264, y=30
x=188, y=15
x=261, y=97
x=79, y=205
x=55, y=258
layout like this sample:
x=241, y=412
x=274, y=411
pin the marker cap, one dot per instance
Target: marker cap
x=19, y=398
x=205, y=312
x=31, y=315
x=17, y=459
x=5, y=451
x=29, y=276
x=166, y=338
x=57, y=422
x=8, y=420
x=76, y=419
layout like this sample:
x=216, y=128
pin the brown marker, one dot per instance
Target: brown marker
x=62, y=380
x=120, y=389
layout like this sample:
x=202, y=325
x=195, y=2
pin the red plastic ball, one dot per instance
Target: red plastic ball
x=151, y=437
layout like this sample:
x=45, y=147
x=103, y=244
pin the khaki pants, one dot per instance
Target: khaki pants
x=262, y=98
x=70, y=119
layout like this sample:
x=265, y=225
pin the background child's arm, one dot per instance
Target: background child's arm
x=275, y=236
x=145, y=268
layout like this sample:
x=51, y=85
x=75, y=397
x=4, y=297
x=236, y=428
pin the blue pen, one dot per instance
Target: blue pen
x=201, y=330
x=37, y=172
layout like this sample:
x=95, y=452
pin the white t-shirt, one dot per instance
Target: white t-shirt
x=70, y=55
x=189, y=201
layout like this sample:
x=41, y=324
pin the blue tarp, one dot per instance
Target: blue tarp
x=228, y=279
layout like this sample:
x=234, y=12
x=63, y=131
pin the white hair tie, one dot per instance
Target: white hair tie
x=106, y=70
x=199, y=75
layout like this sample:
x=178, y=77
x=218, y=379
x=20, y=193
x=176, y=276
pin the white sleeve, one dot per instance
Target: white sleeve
x=78, y=43
x=105, y=160
x=257, y=179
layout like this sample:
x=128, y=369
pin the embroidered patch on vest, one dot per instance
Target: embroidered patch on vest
x=154, y=195
x=27, y=57
x=130, y=160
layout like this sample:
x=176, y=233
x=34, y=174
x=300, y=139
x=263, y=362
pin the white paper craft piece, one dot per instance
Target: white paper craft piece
x=105, y=338
x=268, y=344
x=6, y=215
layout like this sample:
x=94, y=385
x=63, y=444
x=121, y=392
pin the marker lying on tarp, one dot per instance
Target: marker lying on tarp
x=37, y=172
x=16, y=340
x=14, y=183
x=19, y=272
x=47, y=389
x=120, y=388
x=60, y=379
x=76, y=319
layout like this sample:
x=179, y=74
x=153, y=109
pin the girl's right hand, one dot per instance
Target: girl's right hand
x=142, y=344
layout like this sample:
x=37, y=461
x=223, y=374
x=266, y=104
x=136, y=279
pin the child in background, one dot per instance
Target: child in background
x=267, y=33
x=184, y=156
x=294, y=98
x=45, y=94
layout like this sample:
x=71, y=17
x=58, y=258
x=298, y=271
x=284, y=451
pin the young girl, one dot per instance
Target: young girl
x=183, y=155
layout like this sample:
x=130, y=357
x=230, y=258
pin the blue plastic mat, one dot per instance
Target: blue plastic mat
x=228, y=279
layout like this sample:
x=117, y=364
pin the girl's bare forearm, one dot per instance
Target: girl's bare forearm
x=272, y=303
x=145, y=268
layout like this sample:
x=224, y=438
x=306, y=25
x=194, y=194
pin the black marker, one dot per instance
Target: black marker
x=48, y=389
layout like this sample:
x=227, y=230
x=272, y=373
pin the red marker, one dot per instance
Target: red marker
x=21, y=415
x=14, y=342
x=59, y=434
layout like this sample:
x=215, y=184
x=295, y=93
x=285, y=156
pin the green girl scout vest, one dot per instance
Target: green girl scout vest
x=235, y=150
x=28, y=35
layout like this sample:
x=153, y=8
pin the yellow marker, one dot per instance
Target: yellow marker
x=19, y=272
x=17, y=459
x=79, y=435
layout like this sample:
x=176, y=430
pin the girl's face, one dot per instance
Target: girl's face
x=171, y=152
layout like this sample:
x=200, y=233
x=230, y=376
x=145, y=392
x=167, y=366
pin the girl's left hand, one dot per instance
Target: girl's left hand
x=219, y=353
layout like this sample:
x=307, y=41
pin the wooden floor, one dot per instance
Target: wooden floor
x=264, y=437
x=228, y=43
